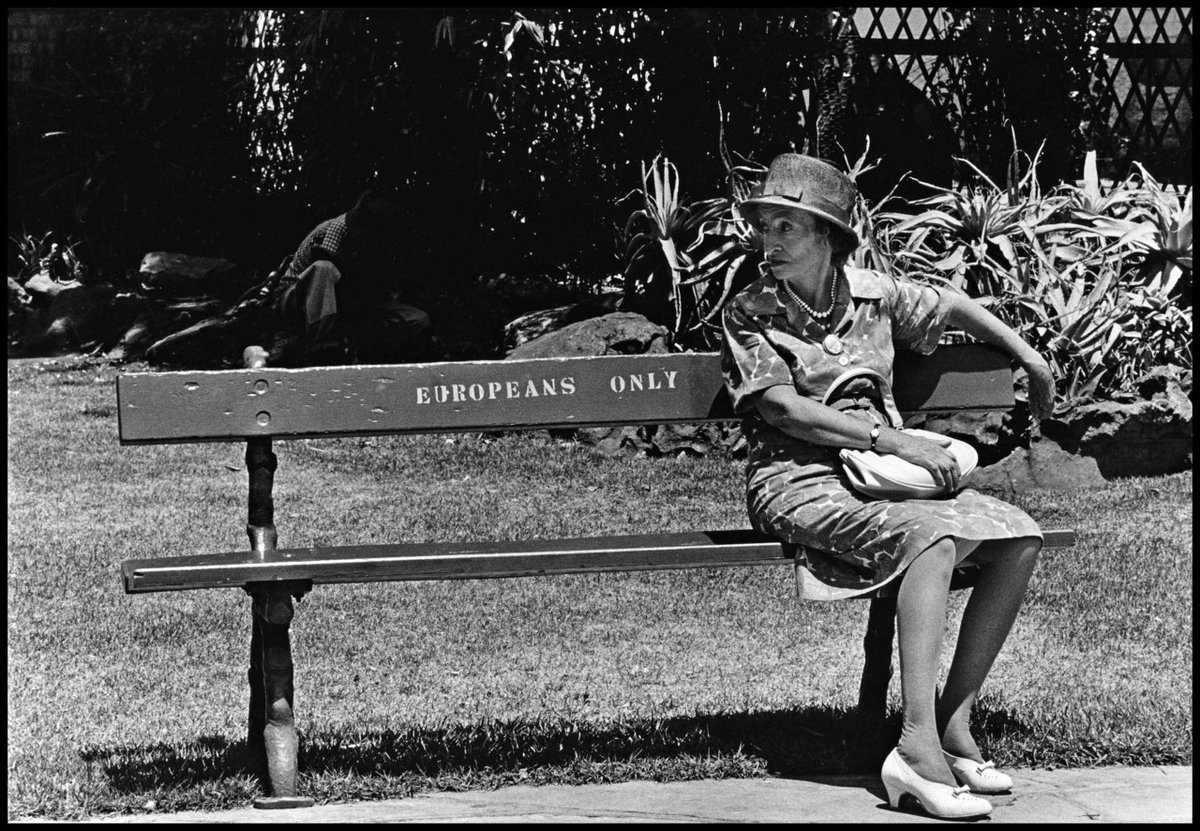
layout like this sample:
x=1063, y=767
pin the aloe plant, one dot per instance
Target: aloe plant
x=976, y=238
x=660, y=235
x=1090, y=279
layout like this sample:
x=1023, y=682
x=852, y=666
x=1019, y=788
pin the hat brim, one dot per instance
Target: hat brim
x=749, y=208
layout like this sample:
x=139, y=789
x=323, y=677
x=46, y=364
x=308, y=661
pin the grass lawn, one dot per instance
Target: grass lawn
x=116, y=700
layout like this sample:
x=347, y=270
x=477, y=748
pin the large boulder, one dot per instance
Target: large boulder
x=86, y=316
x=1091, y=444
x=536, y=324
x=993, y=435
x=182, y=275
x=1137, y=438
x=42, y=289
x=532, y=325
x=618, y=333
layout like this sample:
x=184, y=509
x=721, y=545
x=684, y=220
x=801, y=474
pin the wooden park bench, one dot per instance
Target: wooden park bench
x=259, y=405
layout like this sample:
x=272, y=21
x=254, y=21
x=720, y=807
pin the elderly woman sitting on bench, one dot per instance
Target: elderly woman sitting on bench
x=788, y=338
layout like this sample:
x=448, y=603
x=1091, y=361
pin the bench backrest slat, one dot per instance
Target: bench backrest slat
x=234, y=405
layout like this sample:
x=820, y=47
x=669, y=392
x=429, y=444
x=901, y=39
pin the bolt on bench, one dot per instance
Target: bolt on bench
x=259, y=404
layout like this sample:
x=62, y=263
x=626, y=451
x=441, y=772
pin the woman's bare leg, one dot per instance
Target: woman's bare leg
x=1005, y=569
x=920, y=624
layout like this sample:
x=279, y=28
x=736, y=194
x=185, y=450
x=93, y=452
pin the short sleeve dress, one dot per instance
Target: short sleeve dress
x=795, y=490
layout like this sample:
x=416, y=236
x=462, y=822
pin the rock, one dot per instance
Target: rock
x=618, y=333
x=1141, y=438
x=181, y=275
x=625, y=333
x=698, y=438
x=610, y=441
x=42, y=288
x=1044, y=464
x=24, y=327
x=1165, y=381
x=82, y=315
x=990, y=433
x=18, y=298
x=1094, y=443
x=535, y=324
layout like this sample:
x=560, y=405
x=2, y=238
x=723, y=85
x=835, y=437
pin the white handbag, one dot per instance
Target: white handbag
x=886, y=476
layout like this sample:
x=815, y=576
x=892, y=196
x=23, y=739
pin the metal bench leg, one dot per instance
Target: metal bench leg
x=272, y=728
x=877, y=671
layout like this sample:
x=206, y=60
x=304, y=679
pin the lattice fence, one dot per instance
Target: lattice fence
x=1146, y=73
x=1142, y=72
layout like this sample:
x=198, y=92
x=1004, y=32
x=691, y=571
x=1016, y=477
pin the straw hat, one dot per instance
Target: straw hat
x=807, y=184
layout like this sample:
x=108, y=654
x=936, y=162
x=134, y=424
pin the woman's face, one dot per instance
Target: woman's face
x=795, y=244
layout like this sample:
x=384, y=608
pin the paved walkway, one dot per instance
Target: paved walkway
x=1159, y=794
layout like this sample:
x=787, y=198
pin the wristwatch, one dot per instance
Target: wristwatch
x=874, y=435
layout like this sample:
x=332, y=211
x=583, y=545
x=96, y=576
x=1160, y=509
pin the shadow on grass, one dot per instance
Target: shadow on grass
x=789, y=744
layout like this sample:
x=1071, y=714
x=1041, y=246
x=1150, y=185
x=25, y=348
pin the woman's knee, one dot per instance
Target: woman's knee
x=942, y=556
x=1027, y=550
x=1020, y=551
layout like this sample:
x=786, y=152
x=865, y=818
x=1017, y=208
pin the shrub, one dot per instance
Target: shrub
x=1094, y=282
x=1099, y=283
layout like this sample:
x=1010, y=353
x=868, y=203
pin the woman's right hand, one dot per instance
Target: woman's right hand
x=931, y=454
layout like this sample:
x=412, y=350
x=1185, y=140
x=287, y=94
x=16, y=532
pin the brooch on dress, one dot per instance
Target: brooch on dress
x=834, y=346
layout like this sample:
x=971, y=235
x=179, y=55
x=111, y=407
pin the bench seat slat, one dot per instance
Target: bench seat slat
x=465, y=561
x=450, y=561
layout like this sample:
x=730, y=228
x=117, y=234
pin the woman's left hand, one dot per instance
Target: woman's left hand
x=1041, y=388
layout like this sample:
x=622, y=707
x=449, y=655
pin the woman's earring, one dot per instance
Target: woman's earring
x=763, y=268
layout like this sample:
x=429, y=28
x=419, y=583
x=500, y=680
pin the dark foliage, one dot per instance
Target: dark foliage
x=1025, y=70
x=138, y=147
x=511, y=135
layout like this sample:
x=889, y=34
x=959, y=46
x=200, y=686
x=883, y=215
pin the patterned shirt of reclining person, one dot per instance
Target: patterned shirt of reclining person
x=796, y=490
x=325, y=242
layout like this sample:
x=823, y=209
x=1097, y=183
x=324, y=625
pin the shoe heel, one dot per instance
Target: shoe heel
x=894, y=792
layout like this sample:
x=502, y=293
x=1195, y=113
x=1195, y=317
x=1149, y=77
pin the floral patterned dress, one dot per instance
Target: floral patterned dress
x=795, y=490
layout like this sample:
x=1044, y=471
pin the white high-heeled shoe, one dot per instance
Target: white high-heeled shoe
x=980, y=777
x=938, y=800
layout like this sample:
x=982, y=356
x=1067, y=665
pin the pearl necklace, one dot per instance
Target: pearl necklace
x=787, y=287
